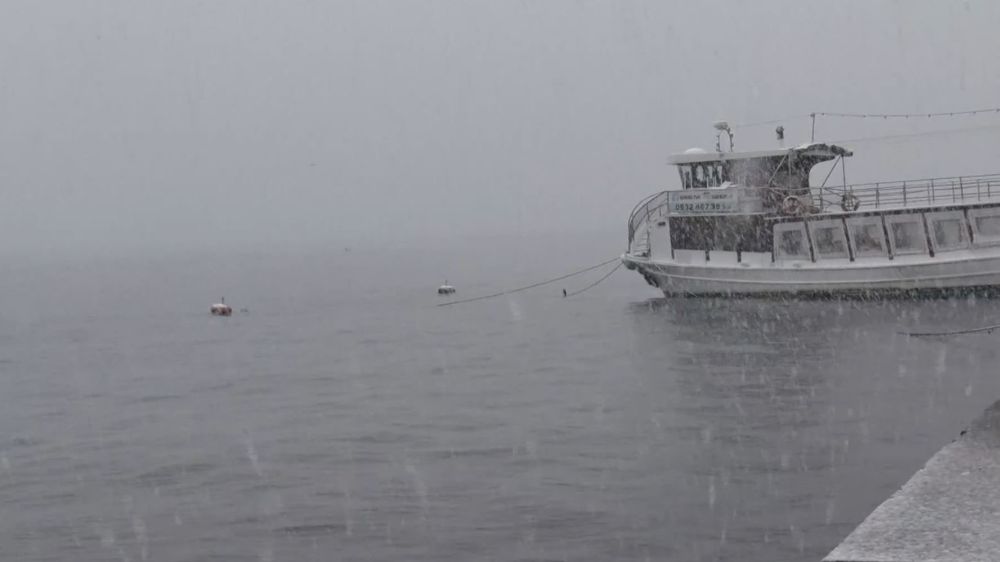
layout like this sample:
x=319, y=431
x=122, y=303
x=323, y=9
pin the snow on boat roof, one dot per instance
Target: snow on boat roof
x=826, y=151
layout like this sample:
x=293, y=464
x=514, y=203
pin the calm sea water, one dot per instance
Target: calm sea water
x=346, y=417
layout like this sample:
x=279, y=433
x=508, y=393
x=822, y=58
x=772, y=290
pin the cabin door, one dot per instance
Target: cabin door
x=659, y=239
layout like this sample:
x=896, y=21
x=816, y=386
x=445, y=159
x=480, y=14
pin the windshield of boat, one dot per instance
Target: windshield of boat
x=772, y=171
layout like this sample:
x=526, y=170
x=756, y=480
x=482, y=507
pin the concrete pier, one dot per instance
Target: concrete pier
x=948, y=511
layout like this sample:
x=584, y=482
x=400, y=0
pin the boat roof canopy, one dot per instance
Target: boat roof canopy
x=817, y=152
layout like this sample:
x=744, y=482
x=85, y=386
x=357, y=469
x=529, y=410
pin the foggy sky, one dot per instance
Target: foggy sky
x=147, y=125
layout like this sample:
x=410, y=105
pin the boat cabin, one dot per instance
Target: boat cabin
x=784, y=170
x=759, y=208
x=727, y=197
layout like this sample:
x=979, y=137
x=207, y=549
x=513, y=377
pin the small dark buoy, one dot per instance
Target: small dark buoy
x=564, y=293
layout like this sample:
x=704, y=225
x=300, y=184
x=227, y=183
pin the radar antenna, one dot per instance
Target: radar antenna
x=722, y=127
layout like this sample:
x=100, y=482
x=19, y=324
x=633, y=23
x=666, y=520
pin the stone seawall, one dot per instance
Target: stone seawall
x=948, y=511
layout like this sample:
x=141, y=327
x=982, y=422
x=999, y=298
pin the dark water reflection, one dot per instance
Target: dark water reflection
x=795, y=418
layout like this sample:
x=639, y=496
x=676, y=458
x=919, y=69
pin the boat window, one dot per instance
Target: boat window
x=699, y=176
x=791, y=242
x=985, y=226
x=906, y=234
x=988, y=226
x=715, y=175
x=828, y=239
x=686, y=176
x=867, y=237
x=731, y=233
x=948, y=230
x=949, y=233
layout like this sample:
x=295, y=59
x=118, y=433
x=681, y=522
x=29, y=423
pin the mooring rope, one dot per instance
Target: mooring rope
x=533, y=285
x=595, y=283
x=987, y=329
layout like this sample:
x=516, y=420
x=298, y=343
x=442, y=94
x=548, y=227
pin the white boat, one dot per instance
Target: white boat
x=221, y=308
x=750, y=223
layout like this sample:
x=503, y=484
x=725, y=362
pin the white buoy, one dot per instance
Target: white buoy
x=446, y=289
x=222, y=309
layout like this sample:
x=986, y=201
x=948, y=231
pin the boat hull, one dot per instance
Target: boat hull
x=936, y=276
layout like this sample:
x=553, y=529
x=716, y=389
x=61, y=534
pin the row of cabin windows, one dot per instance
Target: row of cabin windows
x=878, y=236
x=860, y=237
x=758, y=172
x=711, y=174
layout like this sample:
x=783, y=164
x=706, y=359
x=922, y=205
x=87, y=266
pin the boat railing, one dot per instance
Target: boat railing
x=929, y=192
x=910, y=193
x=643, y=210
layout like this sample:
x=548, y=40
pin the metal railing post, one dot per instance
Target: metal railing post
x=904, y=193
x=932, y=190
x=876, y=195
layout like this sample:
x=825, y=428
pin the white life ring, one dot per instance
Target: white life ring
x=850, y=202
x=792, y=205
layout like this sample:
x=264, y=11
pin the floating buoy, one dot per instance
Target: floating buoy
x=222, y=309
x=446, y=289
